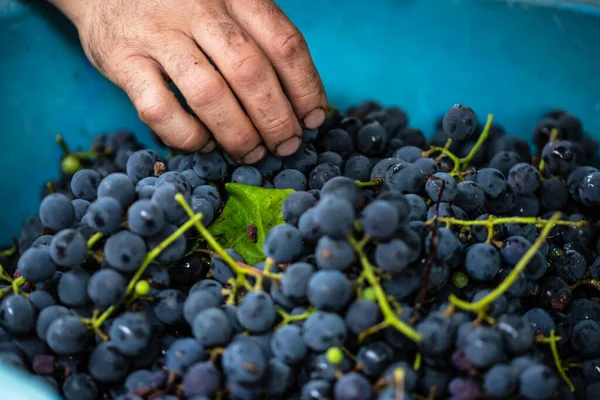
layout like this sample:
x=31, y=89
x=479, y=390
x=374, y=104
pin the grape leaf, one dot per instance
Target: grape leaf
x=246, y=206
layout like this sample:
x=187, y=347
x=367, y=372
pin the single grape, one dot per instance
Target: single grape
x=72, y=288
x=537, y=382
x=168, y=306
x=379, y=219
x=482, y=261
x=106, y=287
x=585, y=339
x=403, y=177
x=287, y=344
x=459, y=122
x=358, y=168
x=174, y=251
x=17, y=314
x=209, y=193
x=291, y=179
x=491, y=181
x=80, y=386
x=140, y=164
x=352, y=386
x=244, y=361
x=84, y=184
x=125, y=251
x=323, y=330
x=303, y=160
x=145, y=218
x=328, y=290
x=295, y=205
x=294, y=282
x=36, y=264
x=212, y=327
x=441, y=187
x=104, y=215
x=57, y=212
x=247, y=175
x=118, y=186
x=256, y=312
x=130, y=333
x=107, y=365
x=67, y=335
x=334, y=216
x=437, y=331
x=201, y=379
x=197, y=301
x=283, y=243
x=361, y=315
x=392, y=256
x=558, y=156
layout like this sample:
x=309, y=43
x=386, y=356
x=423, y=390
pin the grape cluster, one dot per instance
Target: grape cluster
x=463, y=267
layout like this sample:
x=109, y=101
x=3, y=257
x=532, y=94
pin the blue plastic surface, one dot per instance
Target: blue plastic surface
x=424, y=55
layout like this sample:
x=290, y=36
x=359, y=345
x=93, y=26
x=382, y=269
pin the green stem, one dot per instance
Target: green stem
x=94, y=239
x=375, y=182
x=464, y=162
x=557, y=362
x=63, y=145
x=389, y=316
x=482, y=304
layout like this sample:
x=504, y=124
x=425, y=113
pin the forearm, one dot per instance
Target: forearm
x=73, y=9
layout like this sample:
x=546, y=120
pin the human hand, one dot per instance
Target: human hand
x=265, y=90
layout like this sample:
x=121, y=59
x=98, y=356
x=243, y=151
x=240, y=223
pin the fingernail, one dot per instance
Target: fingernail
x=209, y=146
x=288, y=147
x=314, y=119
x=255, y=155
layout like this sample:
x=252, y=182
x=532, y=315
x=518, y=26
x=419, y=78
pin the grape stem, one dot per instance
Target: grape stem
x=287, y=318
x=482, y=304
x=389, y=317
x=94, y=239
x=375, y=182
x=461, y=164
x=9, y=252
x=588, y=282
x=542, y=166
x=561, y=371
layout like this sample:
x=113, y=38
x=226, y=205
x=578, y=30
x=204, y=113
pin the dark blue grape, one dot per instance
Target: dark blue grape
x=168, y=306
x=140, y=164
x=441, y=187
x=145, y=218
x=212, y=327
x=393, y=256
x=200, y=205
x=358, y=168
x=558, y=156
x=107, y=365
x=503, y=161
x=437, y=331
x=361, y=315
x=374, y=358
x=333, y=254
x=303, y=160
x=164, y=198
x=469, y=196
x=84, y=184
x=403, y=177
x=106, y=287
x=316, y=389
x=244, y=361
x=201, y=379
x=513, y=249
x=104, y=215
x=290, y=179
x=174, y=251
x=72, y=288
x=321, y=174
x=537, y=382
x=447, y=244
x=47, y=316
x=328, y=290
x=182, y=354
x=67, y=335
x=323, y=330
x=36, y=264
x=337, y=140
x=197, y=301
x=352, y=386
x=41, y=299
x=484, y=347
x=210, y=166
x=118, y=186
x=287, y=344
x=482, y=261
x=80, y=386
x=130, y=333
x=17, y=314
x=256, y=312
x=334, y=216
x=381, y=167
x=295, y=205
x=517, y=331
x=491, y=181
x=57, y=212
x=125, y=251
x=279, y=376
x=283, y=243
x=500, y=381
x=589, y=190
x=585, y=339
x=193, y=179
x=246, y=175
x=379, y=219
x=459, y=122
x=523, y=178
x=294, y=282
x=220, y=270
x=209, y=193
x=371, y=139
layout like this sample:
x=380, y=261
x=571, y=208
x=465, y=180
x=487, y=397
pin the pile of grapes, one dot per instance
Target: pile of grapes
x=370, y=264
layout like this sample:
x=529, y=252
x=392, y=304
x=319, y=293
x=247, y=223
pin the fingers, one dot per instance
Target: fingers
x=251, y=76
x=211, y=99
x=286, y=48
x=143, y=81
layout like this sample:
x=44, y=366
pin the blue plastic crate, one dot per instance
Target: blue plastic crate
x=514, y=60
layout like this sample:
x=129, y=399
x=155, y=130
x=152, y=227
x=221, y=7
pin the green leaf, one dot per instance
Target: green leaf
x=248, y=205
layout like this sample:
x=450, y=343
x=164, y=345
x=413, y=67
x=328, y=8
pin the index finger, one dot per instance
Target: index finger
x=288, y=52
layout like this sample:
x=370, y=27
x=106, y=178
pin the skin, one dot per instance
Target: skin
x=266, y=88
